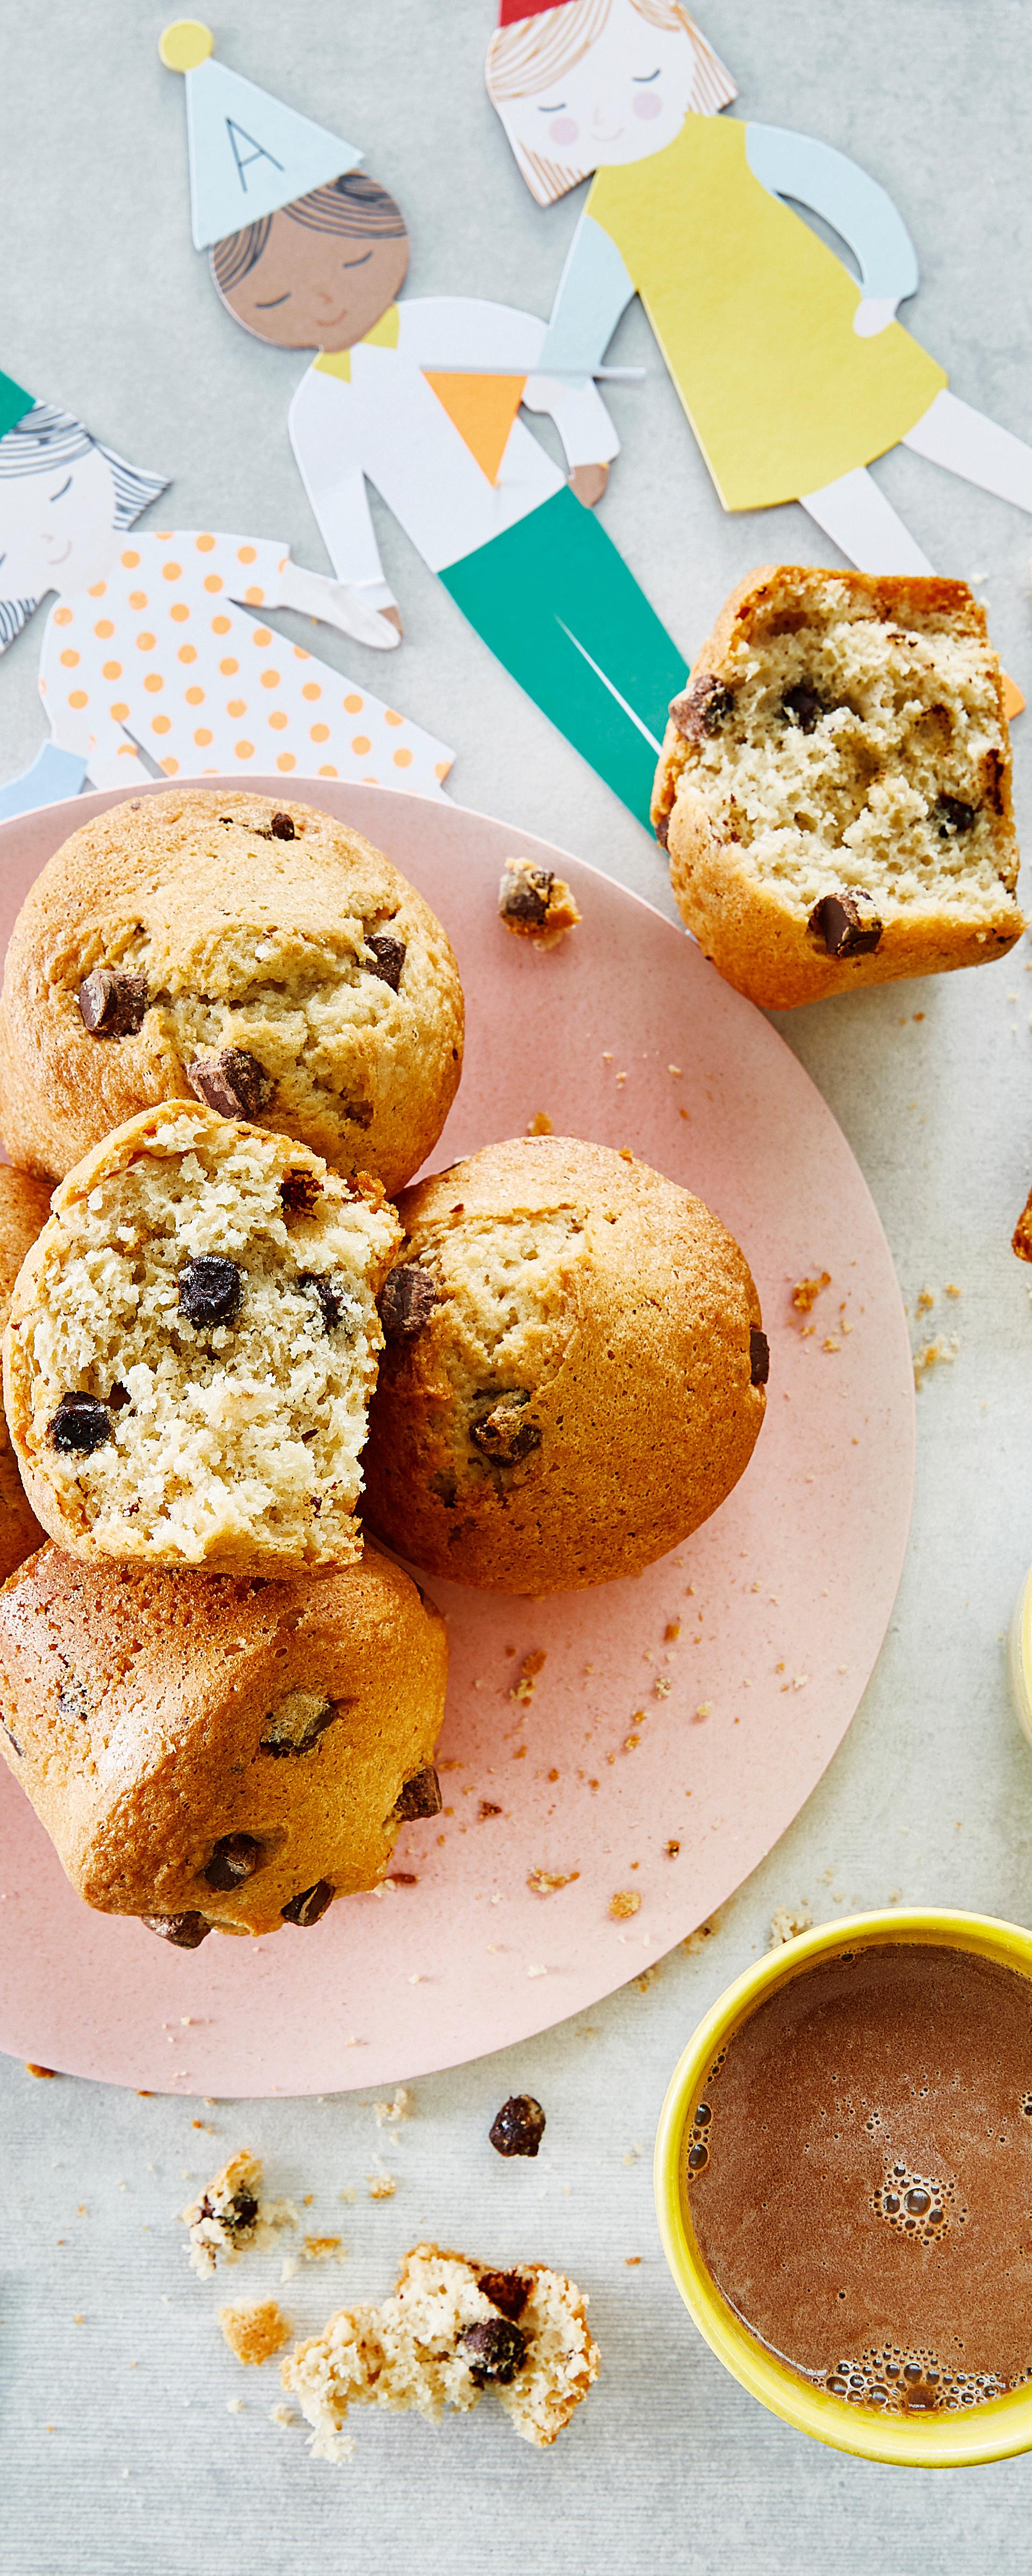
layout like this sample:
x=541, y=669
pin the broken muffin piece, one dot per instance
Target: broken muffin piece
x=452, y=2329
x=231, y=2216
x=535, y=903
x=834, y=790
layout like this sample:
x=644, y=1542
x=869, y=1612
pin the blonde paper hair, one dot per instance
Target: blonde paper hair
x=534, y=53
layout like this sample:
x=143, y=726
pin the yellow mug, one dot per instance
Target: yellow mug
x=993, y=2431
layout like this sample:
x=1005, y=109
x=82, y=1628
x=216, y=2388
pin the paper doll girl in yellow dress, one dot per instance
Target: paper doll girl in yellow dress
x=793, y=377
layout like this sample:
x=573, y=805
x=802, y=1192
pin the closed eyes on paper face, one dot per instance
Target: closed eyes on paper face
x=609, y=82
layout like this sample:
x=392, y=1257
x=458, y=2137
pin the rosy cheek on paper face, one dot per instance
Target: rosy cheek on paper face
x=563, y=130
x=648, y=104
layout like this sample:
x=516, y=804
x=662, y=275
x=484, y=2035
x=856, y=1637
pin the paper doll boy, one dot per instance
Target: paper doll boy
x=793, y=377
x=155, y=658
x=421, y=396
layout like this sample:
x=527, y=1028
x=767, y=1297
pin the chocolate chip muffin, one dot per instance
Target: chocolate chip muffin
x=574, y=1373
x=210, y=1753
x=24, y=1209
x=266, y=961
x=452, y=2329
x=834, y=790
x=192, y=1345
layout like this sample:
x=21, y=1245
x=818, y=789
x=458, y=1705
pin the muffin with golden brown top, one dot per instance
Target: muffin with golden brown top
x=216, y=1754
x=262, y=959
x=24, y=1209
x=192, y=1346
x=574, y=1372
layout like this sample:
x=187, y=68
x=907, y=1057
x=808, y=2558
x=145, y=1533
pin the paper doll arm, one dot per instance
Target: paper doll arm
x=580, y=415
x=323, y=437
x=795, y=165
x=334, y=603
x=594, y=289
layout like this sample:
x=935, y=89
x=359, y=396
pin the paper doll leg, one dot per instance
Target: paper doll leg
x=968, y=443
x=864, y=525
x=557, y=604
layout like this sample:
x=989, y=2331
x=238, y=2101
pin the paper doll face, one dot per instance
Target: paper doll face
x=312, y=289
x=626, y=98
x=57, y=527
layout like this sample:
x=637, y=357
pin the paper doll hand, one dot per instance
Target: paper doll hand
x=589, y=483
x=335, y=603
x=393, y=616
x=872, y=315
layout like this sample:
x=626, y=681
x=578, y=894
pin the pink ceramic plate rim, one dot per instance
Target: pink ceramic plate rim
x=644, y=1764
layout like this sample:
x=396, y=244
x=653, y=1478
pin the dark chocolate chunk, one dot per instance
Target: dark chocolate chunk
x=846, y=924
x=234, y=1859
x=524, y=895
x=495, y=2349
x=282, y=1743
x=803, y=707
x=503, y=1435
x=330, y=1299
x=507, y=2291
x=185, y=1931
x=210, y=1290
x=385, y=957
x=234, y=1083
x=406, y=1301
x=307, y=1906
x=80, y=1425
x=759, y=1356
x=282, y=828
x=112, y=1005
x=952, y=818
x=300, y=1192
x=663, y=831
x=421, y=1796
x=518, y=2128
x=702, y=709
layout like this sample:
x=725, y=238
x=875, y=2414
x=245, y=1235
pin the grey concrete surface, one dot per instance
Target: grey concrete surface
x=120, y=2455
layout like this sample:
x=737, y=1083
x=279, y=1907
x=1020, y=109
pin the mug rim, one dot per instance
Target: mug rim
x=996, y=2430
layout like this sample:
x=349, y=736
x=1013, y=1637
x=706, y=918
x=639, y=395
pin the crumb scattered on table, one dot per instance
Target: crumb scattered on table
x=787, y=1922
x=536, y=904
x=381, y=2186
x=934, y=1354
x=540, y=1124
x=256, y=2331
x=231, y=2214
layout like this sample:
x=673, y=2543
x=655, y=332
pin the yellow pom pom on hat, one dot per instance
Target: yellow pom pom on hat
x=249, y=153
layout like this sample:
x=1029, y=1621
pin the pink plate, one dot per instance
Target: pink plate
x=679, y=1720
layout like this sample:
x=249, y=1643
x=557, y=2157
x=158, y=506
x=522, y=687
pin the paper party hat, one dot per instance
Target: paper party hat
x=249, y=154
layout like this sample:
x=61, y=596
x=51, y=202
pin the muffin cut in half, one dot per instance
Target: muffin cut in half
x=192, y=1346
x=265, y=960
x=574, y=1374
x=24, y=1209
x=834, y=789
x=216, y=1753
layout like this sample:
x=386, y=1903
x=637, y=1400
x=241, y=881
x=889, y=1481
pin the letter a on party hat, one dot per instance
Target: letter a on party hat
x=249, y=154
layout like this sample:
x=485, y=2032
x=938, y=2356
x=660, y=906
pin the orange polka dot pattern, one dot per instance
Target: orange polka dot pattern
x=175, y=608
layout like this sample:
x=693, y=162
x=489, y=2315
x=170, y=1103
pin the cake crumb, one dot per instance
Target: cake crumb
x=806, y=1291
x=255, y=2332
x=523, y=1689
x=925, y=1298
x=543, y=1882
x=234, y=2406
x=952, y=1290
x=382, y=2186
x=231, y=2214
x=934, y=1354
x=625, y=1902
x=536, y=904
x=787, y=1922
x=540, y=1124
x=282, y=2415
x=323, y=2249
x=400, y=2107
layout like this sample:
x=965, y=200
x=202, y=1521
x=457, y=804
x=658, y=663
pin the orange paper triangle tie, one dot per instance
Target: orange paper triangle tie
x=483, y=409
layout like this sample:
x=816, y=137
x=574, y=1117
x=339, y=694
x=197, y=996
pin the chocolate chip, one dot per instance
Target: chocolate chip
x=759, y=1356
x=507, y=2291
x=235, y=1858
x=702, y=709
x=233, y=1083
x=952, y=817
x=663, y=831
x=80, y=1425
x=502, y=1435
x=309, y=1904
x=421, y=1796
x=845, y=923
x=407, y=1301
x=112, y=1005
x=330, y=1299
x=387, y=957
x=281, y=1744
x=185, y=1931
x=518, y=2128
x=210, y=1290
x=300, y=1192
x=524, y=895
x=803, y=707
x=495, y=2349
x=282, y=828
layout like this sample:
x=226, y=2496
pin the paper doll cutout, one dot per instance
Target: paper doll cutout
x=156, y=657
x=793, y=377
x=422, y=397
